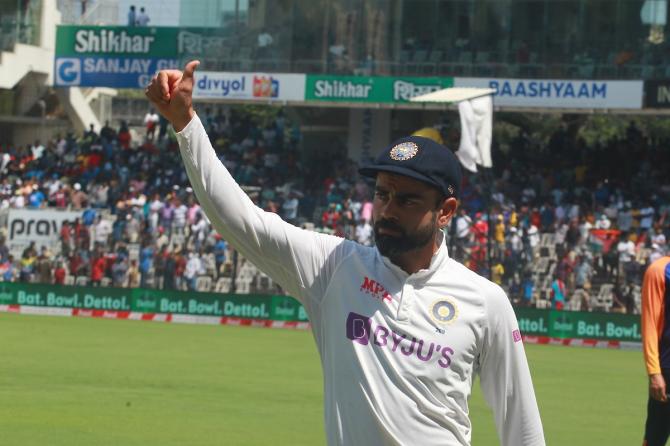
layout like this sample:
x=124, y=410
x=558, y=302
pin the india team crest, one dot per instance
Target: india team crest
x=444, y=311
x=404, y=151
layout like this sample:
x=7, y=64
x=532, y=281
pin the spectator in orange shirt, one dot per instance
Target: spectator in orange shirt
x=656, y=347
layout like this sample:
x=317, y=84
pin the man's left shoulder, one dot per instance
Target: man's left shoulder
x=465, y=275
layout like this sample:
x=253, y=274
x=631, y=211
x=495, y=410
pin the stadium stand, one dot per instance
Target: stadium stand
x=559, y=216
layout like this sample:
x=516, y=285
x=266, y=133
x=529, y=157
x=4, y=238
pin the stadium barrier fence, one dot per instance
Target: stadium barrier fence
x=247, y=306
x=537, y=326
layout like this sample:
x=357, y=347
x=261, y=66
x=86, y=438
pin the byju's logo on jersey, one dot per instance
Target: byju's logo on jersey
x=68, y=71
x=361, y=330
x=444, y=311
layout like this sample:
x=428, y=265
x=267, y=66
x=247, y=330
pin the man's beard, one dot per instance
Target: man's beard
x=393, y=245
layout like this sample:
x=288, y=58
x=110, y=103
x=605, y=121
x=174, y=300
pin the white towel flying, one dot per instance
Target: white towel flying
x=654, y=12
x=476, y=122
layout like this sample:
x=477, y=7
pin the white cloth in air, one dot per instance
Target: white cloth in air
x=476, y=121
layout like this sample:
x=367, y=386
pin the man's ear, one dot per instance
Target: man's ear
x=447, y=211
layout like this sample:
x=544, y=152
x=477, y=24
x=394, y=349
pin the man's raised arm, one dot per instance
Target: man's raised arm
x=300, y=261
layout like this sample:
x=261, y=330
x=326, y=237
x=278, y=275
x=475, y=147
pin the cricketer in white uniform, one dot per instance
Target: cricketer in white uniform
x=401, y=328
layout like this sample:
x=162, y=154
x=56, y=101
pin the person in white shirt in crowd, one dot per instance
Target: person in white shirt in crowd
x=515, y=244
x=100, y=195
x=498, y=197
x=155, y=207
x=161, y=237
x=528, y=195
x=625, y=217
x=659, y=237
x=193, y=268
x=646, y=218
x=290, y=208
x=533, y=241
x=585, y=227
x=263, y=44
x=199, y=230
x=612, y=210
x=102, y=228
x=37, y=150
x=135, y=199
x=573, y=212
x=560, y=213
x=19, y=200
x=61, y=146
x=179, y=222
x=133, y=226
x=463, y=233
x=626, y=250
x=142, y=18
x=364, y=232
x=402, y=329
x=151, y=120
x=561, y=233
x=603, y=222
x=193, y=207
x=5, y=159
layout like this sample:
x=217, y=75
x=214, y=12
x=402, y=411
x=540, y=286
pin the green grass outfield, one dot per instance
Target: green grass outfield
x=78, y=381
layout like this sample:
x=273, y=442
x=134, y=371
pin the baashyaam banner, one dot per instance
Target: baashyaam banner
x=560, y=93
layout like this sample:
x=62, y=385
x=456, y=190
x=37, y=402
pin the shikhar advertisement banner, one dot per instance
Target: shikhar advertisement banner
x=127, y=57
x=374, y=89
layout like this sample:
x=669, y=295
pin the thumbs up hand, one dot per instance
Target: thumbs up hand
x=171, y=91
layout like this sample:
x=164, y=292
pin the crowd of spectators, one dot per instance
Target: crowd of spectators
x=597, y=215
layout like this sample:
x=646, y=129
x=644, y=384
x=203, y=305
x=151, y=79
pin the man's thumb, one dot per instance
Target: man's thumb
x=189, y=69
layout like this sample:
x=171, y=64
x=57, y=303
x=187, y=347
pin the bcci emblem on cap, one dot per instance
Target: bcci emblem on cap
x=404, y=151
x=444, y=311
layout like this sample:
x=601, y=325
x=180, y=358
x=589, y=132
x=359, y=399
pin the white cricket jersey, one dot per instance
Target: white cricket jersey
x=399, y=351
